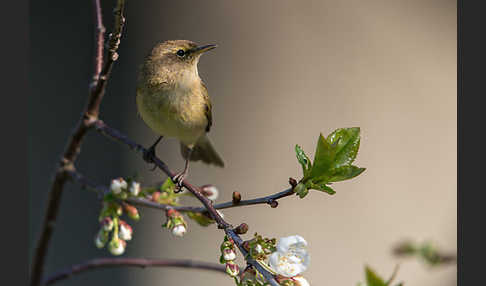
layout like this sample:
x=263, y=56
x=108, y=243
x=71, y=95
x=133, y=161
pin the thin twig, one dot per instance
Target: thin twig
x=150, y=204
x=66, y=164
x=222, y=224
x=135, y=262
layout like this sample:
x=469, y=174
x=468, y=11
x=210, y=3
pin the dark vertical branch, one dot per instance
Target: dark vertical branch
x=86, y=121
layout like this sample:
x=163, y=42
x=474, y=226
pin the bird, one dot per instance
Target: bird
x=173, y=101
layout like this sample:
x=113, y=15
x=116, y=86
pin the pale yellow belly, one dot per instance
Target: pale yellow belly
x=181, y=116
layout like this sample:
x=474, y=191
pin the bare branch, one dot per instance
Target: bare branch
x=88, y=117
x=134, y=262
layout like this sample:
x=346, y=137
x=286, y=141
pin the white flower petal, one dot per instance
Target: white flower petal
x=300, y=281
x=291, y=257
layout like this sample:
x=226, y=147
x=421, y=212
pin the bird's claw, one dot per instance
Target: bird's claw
x=178, y=179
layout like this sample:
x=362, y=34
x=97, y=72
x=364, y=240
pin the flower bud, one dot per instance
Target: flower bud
x=229, y=254
x=292, y=182
x=107, y=224
x=132, y=211
x=179, y=230
x=134, y=188
x=101, y=238
x=232, y=269
x=175, y=222
x=118, y=185
x=117, y=246
x=155, y=196
x=236, y=197
x=241, y=229
x=258, y=249
x=210, y=192
x=125, y=231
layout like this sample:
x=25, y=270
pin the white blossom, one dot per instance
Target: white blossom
x=125, y=231
x=229, y=254
x=179, y=230
x=258, y=249
x=291, y=257
x=117, y=185
x=300, y=281
x=134, y=188
x=117, y=247
x=210, y=192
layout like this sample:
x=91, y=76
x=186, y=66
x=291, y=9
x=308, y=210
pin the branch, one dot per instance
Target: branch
x=101, y=189
x=88, y=117
x=136, y=262
x=222, y=224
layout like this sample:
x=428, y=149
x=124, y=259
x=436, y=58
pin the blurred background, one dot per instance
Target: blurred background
x=284, y=71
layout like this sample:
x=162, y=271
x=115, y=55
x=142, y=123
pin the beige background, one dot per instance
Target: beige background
x=285, y=71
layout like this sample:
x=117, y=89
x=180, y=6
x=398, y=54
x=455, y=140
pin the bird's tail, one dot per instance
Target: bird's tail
x=203, y=151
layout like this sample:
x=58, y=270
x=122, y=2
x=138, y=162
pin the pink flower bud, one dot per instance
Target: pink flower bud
x=101, y=238
x=232, y=269
x=125, y=231
x=117, y=246
x=107, y=224
x=179, y=230
x=229, y=254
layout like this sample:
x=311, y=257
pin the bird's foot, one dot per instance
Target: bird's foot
x=148, y=157
x=178, y=179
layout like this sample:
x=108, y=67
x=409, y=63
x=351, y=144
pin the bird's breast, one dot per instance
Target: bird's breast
x=176, y=110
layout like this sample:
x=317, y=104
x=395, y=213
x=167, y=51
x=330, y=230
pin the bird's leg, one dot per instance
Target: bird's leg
x=179, y=177
x=147, y=156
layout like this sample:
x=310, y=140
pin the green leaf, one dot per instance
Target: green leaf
x=345, y=144
x=323, y=158
x=320, y=187
x=345, y=173
x=303, y=159
x=200, y=218
x=168, y=186
x=372, y=279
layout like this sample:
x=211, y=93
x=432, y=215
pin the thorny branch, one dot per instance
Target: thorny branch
x=88, y=117
x=136, y=262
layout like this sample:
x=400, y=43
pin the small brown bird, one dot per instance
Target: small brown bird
x=173, y=101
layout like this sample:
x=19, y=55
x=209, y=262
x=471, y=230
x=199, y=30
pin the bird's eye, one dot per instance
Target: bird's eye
x=180, y=53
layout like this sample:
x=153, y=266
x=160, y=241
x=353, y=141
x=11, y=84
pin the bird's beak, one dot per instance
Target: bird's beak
x=203, y=49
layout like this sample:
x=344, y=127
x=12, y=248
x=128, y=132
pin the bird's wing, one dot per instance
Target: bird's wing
x=207, y=110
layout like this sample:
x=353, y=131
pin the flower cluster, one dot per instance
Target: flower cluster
x=112, y=210
x=175, y=223
x=285, y=259
x=121, y=233
x=228, y=256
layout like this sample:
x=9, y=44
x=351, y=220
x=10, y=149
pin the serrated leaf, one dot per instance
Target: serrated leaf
x=320, y=187
x=372, y=279
x=345, y=144
x=304, y=161
x=323, y=158
x=200, y=218
x=345, y=173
